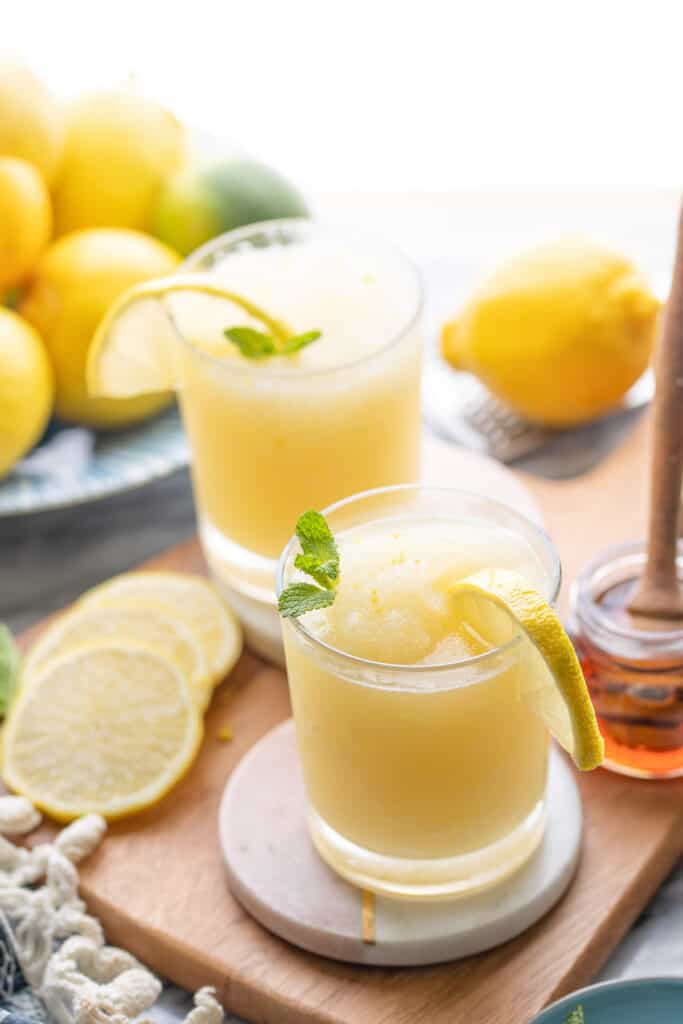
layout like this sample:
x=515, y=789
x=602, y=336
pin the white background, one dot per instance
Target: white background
x=408, y=94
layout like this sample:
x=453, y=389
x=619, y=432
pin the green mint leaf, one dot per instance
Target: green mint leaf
x=298, y=342
x=324, y=573
x=10, y=661
x=319, y=559
x=255, y=344
x=318, y=543
x=576, y=1016
x=251, y=343
x=299, y=598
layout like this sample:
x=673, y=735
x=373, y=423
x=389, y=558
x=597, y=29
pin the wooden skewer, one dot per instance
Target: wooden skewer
x=659, y=594
x=368, y=920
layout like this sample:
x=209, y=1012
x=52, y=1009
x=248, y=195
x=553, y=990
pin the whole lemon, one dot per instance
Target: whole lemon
x=25, y=219
x=31, y=120
x=26, y=388
x=198, y=203
x=73, y=285
x=559, y=334
x=119, y=149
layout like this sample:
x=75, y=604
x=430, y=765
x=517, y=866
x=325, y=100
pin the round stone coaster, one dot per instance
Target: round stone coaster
x=277, y=876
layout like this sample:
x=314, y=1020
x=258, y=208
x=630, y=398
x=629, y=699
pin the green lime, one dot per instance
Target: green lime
x=199, y=203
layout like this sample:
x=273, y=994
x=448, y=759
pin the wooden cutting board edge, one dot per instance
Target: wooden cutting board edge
x=626, y=912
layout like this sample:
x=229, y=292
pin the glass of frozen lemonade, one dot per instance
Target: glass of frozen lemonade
x=421, y=709
x=272, y=433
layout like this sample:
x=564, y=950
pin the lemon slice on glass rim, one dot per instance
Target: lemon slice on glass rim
x=134, y=349
x=498, y=604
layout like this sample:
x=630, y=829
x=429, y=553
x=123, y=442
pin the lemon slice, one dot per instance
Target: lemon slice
x=105, y=729
x=190, y=599
x=133, y=350
x=497, y=603
x=145, y=627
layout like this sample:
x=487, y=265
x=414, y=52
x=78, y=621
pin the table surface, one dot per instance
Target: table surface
x=47, y=560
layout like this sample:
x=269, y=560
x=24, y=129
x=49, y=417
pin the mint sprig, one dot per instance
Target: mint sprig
x=255, y=344
x=252, y=343
x=317, y=545
x=10, y=660
x=299, y=341
x=299, y=598
x=576, y=1016
x=319, y=559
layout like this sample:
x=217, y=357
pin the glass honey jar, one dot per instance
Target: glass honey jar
x=634, y=674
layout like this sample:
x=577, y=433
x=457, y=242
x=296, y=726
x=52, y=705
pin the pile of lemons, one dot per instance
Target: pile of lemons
x=94, y=198
x=109, y=710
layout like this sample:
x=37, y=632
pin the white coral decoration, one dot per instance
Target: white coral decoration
x=207, y=1009
x=78, y=840
x=59, y=945
x=84, y=983
x=18, y=816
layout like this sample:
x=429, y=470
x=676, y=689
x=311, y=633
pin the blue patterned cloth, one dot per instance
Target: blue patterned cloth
x=18, y=1004
x=12, y=980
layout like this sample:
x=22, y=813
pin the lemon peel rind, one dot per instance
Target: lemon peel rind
x=158, y=289
x=537, y=620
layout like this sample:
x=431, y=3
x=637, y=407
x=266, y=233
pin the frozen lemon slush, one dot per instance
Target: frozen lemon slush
x=270, y=437
x=413, y=771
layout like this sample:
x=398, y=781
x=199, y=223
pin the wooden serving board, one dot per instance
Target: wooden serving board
x=158, y=884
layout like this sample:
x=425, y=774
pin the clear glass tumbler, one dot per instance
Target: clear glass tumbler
x=423, y=780
x=270, y=438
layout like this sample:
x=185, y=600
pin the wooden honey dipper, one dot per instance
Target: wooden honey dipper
x=659, y=595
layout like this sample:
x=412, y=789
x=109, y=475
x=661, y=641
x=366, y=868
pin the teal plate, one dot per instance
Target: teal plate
x=636, y=1001
x=120, y=460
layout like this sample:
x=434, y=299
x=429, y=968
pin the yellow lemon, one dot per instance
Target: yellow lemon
x=25, y=219
x=106, y=729
x=72, y=287
x=31, y=120
x=191, y=599
x=26, y=388
x=120, y=147
x=130, y=627
x=559, y=334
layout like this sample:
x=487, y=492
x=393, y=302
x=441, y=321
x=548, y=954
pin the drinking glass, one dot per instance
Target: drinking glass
x=423, y=780
x=268, y=439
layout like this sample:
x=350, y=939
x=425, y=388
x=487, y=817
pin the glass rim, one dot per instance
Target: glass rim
x=587, y=610
x=440, y=668
x=190, y=264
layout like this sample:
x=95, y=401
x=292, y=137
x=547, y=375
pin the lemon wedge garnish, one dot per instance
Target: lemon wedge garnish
x=107, y=729
x=190, y=599
x=497, y=604
x=133, y=350
x=132, y=627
